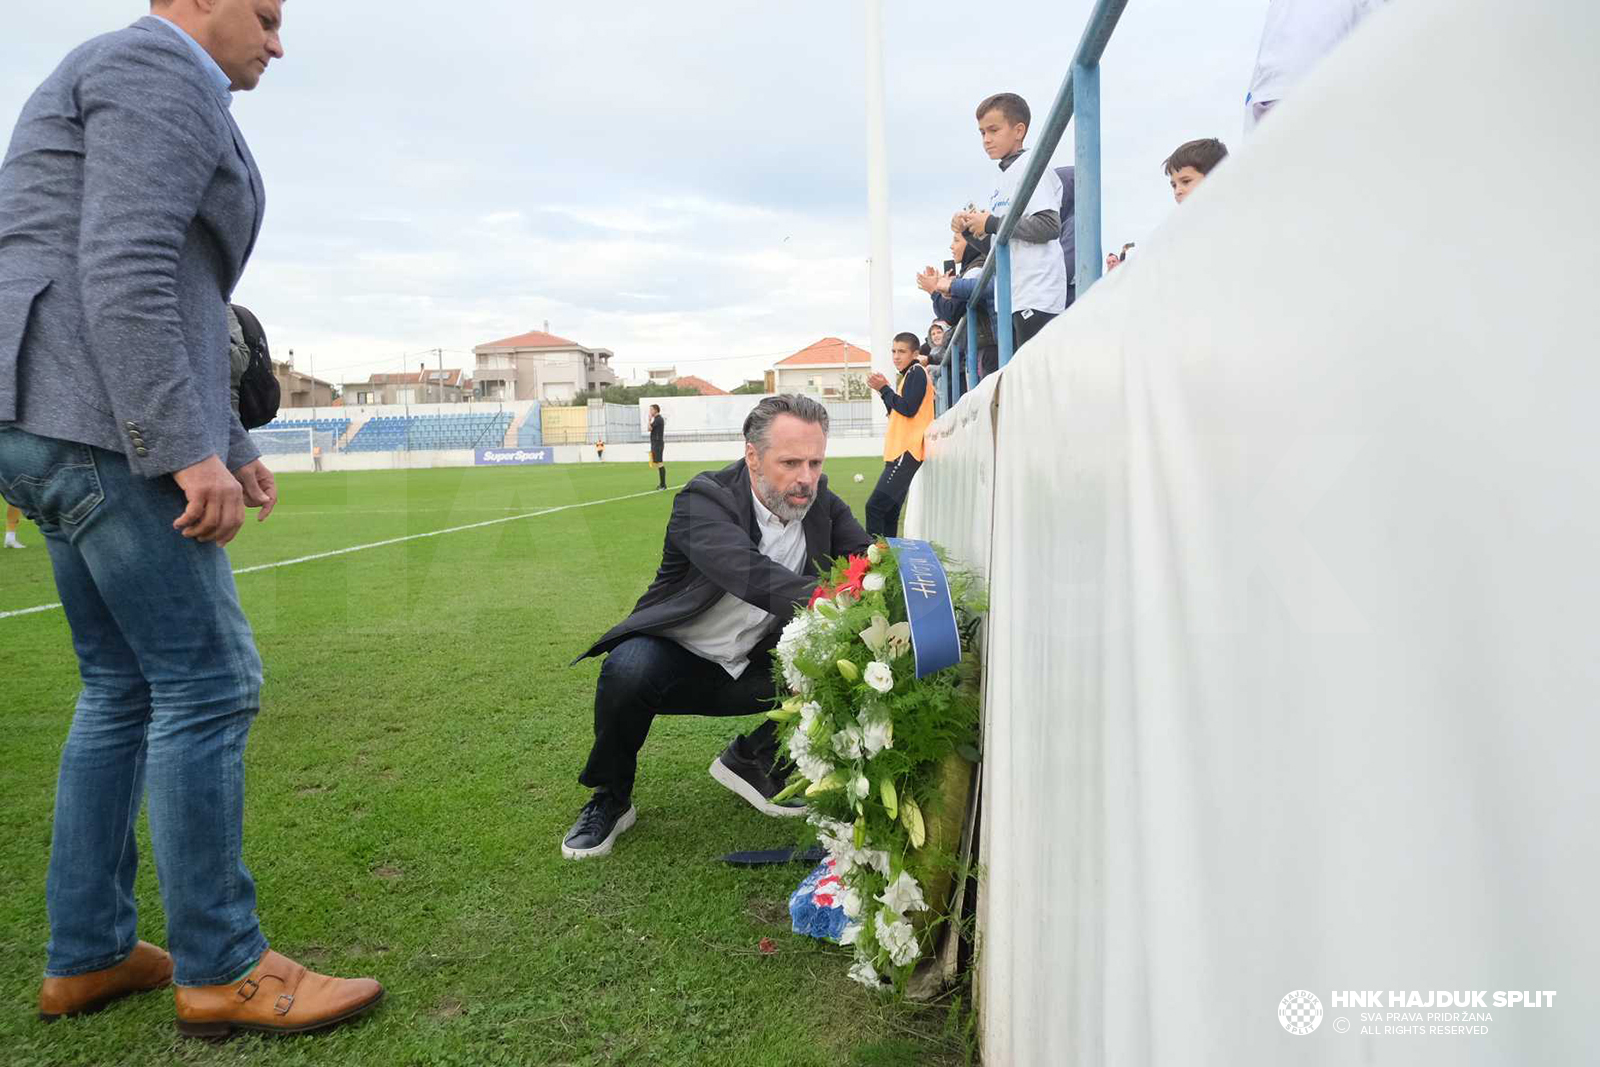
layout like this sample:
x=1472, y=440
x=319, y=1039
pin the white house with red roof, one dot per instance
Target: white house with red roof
x=821, y=369
x=540, y=366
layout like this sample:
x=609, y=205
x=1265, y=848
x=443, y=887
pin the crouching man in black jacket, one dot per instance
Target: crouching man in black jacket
x=743, y=547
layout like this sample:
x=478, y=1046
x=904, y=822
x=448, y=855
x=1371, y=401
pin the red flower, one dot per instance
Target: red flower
x=822, y=593
x=854, y=572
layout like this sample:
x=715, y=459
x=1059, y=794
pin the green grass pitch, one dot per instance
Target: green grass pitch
x=410, y=776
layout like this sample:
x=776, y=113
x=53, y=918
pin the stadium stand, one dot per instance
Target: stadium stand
x=393, y=433
x=530, y=434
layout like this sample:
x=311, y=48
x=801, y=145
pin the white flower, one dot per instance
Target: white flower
x=874, y=583
x=849, y=899
x=860, y=787
x=810, y=712
x=880, y=637
x=794, y=637
x=846, y=599
x=877, y=734
x=850, y=933
x=847, y=742
x=878, y=676
x=903, y=895
x=838, y=839
x=813, y=768
x=896, y=937
x=874, y=554
x=799, y=744
x=877, y=859
x=864, y=973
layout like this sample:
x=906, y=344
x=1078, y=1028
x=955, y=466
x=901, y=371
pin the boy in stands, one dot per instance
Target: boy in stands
x=1038, y=272
x=910, y=406
x=1190, y=163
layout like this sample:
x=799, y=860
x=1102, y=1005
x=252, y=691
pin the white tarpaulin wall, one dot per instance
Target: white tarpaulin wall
x=1293, y=672
x=953, y=493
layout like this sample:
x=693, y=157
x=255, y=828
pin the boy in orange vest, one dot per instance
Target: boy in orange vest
x=910, y=406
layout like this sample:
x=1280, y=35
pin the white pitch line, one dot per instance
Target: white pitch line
x=390, y=541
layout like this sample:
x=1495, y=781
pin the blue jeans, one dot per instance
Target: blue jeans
x=171, y=683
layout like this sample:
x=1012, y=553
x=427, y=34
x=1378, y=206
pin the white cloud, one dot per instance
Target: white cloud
x=680, y=184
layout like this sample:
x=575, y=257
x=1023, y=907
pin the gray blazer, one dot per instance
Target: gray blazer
x=129, y=204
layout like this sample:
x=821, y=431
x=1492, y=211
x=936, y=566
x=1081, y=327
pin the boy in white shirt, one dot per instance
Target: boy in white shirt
x=1297, y=34
x=1038, y=272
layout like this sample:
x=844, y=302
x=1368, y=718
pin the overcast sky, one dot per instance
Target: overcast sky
x=683, y=184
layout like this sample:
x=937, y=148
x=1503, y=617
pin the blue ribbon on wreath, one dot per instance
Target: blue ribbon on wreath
x=935, y=641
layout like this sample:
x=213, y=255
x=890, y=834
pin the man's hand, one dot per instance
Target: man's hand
x=958, y=222
x=942, y=285
x=260, y=488
x=876, y=381
x=976, y=221
x=928, y=280
x=216, y=502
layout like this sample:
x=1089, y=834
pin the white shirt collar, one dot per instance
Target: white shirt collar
x=764, y=514
x=218, y=77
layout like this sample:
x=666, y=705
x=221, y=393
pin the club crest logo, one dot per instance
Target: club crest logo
x=1300, y=1012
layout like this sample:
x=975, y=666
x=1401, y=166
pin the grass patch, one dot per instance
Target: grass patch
x=411, y=774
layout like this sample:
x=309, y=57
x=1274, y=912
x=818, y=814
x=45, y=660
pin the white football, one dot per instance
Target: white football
x=861, y=477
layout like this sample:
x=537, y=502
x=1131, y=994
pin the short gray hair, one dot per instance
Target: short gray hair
x=758, y=424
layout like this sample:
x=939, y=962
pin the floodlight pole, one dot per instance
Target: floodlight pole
x=880, y=277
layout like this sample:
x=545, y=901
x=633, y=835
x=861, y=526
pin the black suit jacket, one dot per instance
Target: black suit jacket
x=713, y=547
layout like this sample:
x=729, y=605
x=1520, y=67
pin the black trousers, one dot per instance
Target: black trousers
x=646, y=676
x=1025, y=324
x=883, y=506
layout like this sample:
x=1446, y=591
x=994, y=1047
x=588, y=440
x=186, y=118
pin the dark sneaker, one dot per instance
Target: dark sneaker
x=604, y=819
x=749, y=779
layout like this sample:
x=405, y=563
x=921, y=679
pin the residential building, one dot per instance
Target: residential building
x=423, y=386
x=699, y=385
x=831, y=369
x=298, y=390
x=540, y=366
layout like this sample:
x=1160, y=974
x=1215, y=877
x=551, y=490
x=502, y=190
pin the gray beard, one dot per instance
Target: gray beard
x=778, y=504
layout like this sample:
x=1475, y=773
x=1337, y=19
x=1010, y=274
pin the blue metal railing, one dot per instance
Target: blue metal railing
x=1080, y=93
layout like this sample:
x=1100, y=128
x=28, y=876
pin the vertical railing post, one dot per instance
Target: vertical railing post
x=972, y=349
x=946, y=381
x=1002, y=293
x=1086, y=175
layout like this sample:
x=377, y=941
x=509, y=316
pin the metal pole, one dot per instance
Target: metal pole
x=972, y=349
x=1002, y=292
x=313, y=357
x=880, y=275
x=1086, y=175
x=439, y=352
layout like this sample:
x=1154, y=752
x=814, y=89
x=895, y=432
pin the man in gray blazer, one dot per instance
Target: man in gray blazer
x=129, y=204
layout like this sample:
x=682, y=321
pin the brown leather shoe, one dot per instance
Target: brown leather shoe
x=146, y=968
x=279, y=997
